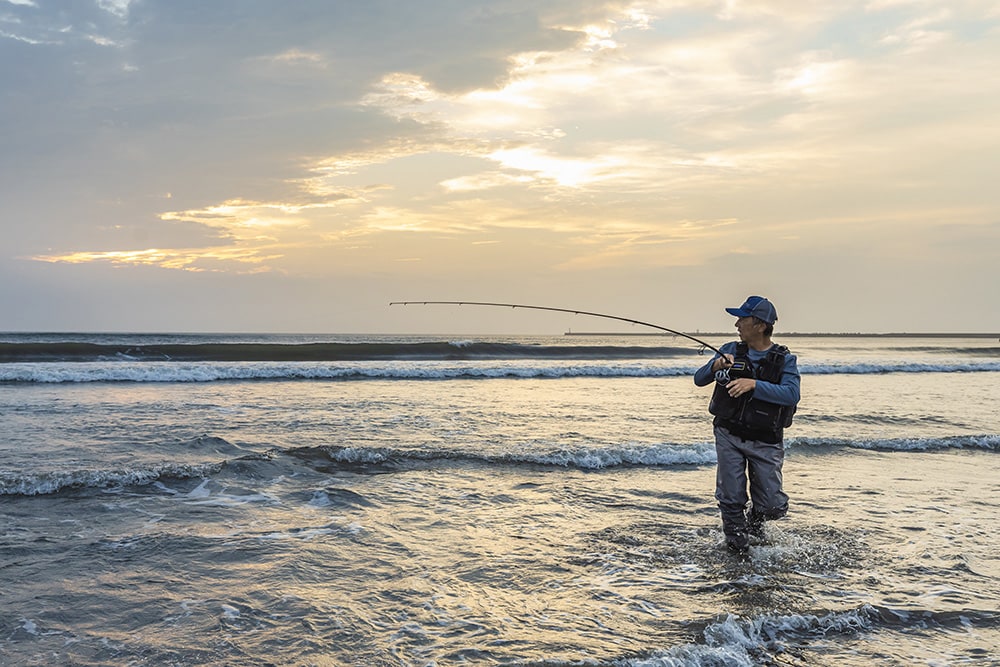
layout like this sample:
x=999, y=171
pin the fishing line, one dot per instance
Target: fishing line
x=561, y=310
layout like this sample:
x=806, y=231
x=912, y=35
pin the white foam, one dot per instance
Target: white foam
x=698, y=655
x=737, y=642
x=360, y=455
x=657, y=455
x=897, y=367
x=165, y=371
x=982, y=441
x=320, y=499
x=36, y=484
x=163, y=487
x=232, y=500
x=201, y=491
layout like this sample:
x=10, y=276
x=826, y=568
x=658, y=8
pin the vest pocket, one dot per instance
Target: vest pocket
x=761, y=415
x=723, y=405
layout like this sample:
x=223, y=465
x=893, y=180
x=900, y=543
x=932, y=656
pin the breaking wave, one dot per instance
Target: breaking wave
x=69, y=351
x=664, y=455
x=989, y=442
x=739, y=642
x=180, y=372
x=44, y=483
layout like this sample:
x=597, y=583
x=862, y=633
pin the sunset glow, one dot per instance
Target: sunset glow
x=667, y=143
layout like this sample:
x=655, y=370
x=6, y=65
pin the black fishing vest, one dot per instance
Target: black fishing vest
x=746, y=416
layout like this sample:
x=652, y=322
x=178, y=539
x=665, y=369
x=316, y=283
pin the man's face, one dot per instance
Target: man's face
x=747, y=328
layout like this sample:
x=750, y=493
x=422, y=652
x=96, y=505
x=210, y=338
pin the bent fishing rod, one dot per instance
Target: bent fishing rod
x=560, y=310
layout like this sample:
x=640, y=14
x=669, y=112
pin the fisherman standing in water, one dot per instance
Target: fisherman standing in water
x=756, y=391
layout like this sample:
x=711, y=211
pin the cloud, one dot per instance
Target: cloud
x=205, y=259
x=295, y=56
x=699, y=119
x=118, y=8
x=321, y=137
x=484, y=181
x=237, y=216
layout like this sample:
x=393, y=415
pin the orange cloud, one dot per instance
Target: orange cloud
x=186, y=260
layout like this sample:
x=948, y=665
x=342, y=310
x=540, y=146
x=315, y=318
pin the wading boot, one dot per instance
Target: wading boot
x=734, y=527
x=738, y=543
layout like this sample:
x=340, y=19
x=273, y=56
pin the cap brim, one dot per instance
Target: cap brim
x=738, y=312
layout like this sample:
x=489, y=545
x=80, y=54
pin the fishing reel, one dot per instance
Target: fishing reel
x=741, y=368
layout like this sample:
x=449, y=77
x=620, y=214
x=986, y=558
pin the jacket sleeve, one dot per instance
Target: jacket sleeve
x=785, y=393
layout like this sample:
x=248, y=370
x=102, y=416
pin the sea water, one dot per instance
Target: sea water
x=352, y=500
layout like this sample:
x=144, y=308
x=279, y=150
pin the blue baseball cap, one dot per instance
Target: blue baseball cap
x=756, y=306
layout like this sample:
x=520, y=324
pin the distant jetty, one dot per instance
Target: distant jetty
x=791, y=334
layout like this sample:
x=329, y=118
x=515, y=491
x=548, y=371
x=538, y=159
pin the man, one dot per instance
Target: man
x=756, y=391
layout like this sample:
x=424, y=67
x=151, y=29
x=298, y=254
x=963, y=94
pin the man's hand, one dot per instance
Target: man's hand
x=740, y=386
x=723, y=362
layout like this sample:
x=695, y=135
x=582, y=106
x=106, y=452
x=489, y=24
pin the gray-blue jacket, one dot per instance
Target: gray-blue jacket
x=785, y=393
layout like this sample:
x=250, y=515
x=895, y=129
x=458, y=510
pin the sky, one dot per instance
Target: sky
x=294, y=166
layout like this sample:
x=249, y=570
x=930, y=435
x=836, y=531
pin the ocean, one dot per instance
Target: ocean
x=488, y=500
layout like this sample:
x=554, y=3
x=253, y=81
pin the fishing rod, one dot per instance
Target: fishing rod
x=562, y=310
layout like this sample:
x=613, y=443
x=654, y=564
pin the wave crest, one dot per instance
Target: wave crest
x=183, y=372
x=589, y=459
x=44, y=483
x=989, y=442
x=735, y=641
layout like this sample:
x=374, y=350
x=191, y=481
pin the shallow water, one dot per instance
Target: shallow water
x=564, y=519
